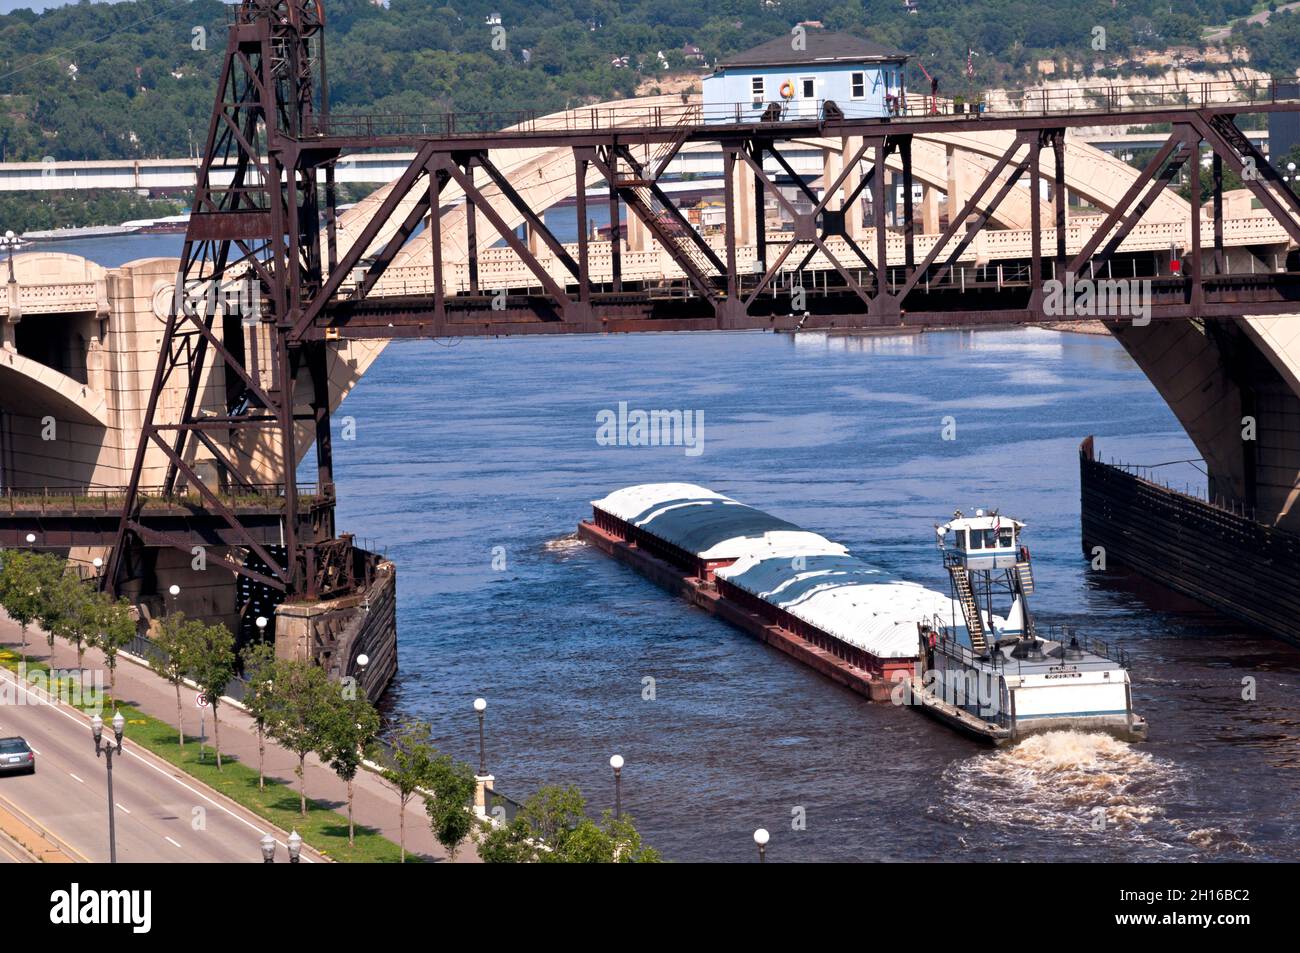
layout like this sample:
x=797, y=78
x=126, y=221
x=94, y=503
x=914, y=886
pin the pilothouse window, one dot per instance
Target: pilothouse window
x=1005, y=538
x=976, y=539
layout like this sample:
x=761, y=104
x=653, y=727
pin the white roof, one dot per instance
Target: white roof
x=708, y=524
x=988, y=521
x=846, y=598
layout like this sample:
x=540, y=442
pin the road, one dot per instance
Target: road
x=163, y=815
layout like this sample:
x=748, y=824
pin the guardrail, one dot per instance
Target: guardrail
x=1102, y=99
x=83, y=499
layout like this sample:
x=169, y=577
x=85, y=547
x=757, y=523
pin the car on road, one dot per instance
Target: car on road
x=16, y=755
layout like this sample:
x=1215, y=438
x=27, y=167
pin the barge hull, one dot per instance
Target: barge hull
x=704, y=595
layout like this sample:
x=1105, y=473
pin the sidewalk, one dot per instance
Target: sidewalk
x=375, y=802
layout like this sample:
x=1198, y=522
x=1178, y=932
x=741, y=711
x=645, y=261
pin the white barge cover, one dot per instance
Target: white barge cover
x=845, y=598
x=814, y=579
x=708, y=524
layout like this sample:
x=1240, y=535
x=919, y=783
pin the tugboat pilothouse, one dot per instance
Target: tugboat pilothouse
x=1002, y=677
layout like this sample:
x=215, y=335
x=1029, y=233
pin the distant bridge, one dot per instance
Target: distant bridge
x=181, y=174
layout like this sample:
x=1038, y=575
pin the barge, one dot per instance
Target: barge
x=996, y=678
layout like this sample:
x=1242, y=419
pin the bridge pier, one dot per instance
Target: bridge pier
x=1235, y=387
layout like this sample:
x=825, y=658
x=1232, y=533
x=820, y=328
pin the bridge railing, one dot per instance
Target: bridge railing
x=94, y=500
x=1108, y=98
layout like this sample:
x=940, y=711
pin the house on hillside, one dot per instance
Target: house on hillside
x=861, y=78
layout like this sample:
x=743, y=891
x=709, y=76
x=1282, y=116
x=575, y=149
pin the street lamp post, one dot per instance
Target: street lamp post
x=11, y=242
x=173, y=590
x=616, y=763
x=294, y=843
x=108, y=750
x=480, y=706
x=268, y=849
x=760, y=838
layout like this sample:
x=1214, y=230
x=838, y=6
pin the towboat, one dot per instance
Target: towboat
x=996, y=678
x=1001, y=678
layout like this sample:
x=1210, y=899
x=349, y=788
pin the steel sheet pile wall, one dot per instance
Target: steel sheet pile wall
x=1231, y=563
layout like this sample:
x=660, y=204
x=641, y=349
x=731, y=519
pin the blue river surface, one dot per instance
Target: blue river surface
x=463, y=447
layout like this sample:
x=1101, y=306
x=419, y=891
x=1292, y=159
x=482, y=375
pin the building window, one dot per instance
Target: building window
x=858, y=84
x=756, y=89
x=810, y=88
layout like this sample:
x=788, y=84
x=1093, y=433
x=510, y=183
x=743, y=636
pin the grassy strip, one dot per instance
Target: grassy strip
x=324, y=829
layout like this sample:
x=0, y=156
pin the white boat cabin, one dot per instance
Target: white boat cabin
x=981, y=542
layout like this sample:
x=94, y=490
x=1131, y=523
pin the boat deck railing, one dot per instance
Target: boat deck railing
x=1102, y=652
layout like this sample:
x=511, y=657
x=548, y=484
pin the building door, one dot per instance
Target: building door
x=808, y=97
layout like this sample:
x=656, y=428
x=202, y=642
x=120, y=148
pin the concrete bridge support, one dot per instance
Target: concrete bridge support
x=1235, y=387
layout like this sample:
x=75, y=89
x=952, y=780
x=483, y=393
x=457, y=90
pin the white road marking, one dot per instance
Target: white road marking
x=34, y=751
x=121, y=808
x=217, y=804
x=169, y=840
x=75, y=778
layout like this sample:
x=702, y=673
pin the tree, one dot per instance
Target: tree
x=15, y=591
x=259, y=673
x=210, y=662
x=409, y=767
x=553, y=827
x=509, y=844
x=82, y=615
x=117, y=627
x=450, y=808
x=40, y=575
x=352, y=725
x=174, y=640
x=59, y=605
x=298, y=713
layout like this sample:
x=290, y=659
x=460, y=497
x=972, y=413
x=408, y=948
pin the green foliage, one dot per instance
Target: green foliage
x=31, y=211
x=258, y=659
x=27, y=581
x=141, y=89
x=553, y=827
x=274, y=800
x=173, y=642
x=408, y=766
x=117, y=627
x=351, y=727
x=210, y=664
x=82, y=614
x=450, y=809
x=301, y=703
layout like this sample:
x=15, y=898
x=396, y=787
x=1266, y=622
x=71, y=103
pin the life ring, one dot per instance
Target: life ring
x=787, y=89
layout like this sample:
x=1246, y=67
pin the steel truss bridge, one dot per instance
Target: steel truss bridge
x=272, y=125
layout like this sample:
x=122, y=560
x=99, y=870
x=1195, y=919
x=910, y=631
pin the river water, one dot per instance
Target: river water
x=467, y=452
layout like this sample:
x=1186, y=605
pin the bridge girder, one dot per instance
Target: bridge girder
x=271, y=118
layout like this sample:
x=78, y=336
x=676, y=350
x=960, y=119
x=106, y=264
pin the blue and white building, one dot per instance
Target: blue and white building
x=862, y=78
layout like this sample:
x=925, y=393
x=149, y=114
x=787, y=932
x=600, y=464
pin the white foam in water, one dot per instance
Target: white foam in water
x=1064, y=781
